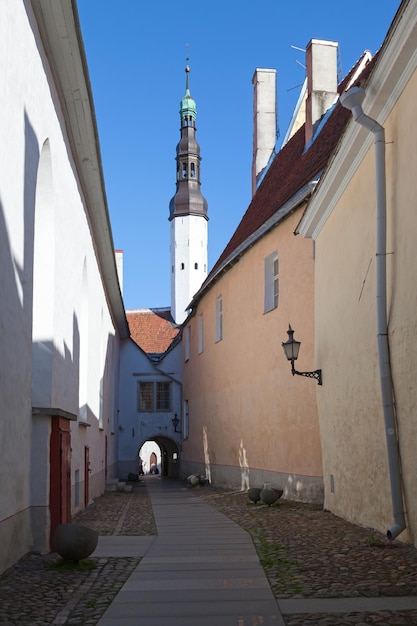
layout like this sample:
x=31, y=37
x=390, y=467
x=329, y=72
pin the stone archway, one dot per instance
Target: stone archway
x=170, y=455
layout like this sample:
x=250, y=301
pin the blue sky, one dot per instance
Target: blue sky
x=136, y=53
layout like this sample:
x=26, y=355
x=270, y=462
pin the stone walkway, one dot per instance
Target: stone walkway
x=321, y=569
x=201, y=569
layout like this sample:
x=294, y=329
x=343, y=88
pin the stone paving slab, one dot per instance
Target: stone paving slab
x=119, y=611
x=203, y=620
x=119, y=546
x=347, y=605
x=191, y=583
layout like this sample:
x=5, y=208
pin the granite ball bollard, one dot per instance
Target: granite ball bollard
x=254, y=494
x=74, y=542
x=269, y=495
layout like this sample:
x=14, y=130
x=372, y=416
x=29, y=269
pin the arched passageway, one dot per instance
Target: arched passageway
x=163, y=452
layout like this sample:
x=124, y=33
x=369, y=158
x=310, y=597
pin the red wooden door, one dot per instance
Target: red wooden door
x=65, y=495
x=60, y=473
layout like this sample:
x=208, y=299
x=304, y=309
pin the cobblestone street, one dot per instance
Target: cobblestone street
x=306, y=553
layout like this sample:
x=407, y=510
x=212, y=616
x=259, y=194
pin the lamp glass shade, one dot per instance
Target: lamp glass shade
x=291, y=346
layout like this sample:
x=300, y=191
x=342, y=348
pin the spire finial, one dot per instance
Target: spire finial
x=187, y=67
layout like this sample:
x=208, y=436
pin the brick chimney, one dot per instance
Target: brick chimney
x=264, y=120
x=321, y=59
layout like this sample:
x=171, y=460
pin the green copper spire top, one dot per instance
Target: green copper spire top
x=188, y=106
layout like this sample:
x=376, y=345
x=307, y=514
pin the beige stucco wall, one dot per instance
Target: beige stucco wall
x=350, y=408
x=249, y=419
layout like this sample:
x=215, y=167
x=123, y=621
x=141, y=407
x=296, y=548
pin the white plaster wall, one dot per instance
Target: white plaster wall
x=30, y=116
x=188, y=246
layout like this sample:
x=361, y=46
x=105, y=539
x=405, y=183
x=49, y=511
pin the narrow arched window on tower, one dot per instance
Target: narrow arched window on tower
x=182, y=266
x=192, y=170
x=184, y=170
x=196, y=266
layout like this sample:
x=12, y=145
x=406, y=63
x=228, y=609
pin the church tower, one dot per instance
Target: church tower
x=188, y=215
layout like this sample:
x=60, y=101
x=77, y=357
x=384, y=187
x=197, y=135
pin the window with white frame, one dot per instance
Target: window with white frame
x=271, y=269
x=200, y=333
x=219, y=318
x=154, y=396
x=187, y=339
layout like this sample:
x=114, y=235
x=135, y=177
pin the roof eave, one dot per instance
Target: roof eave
x=395, y=65
x=293, y=203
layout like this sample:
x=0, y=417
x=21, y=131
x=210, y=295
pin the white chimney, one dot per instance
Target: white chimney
x=264, y=120
x=321, y=59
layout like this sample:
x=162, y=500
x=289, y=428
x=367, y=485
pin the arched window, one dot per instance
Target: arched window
x=196, y=266
x=184, y=170
x=192, y=170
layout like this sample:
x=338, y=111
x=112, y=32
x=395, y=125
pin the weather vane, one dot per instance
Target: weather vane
x=187, y=67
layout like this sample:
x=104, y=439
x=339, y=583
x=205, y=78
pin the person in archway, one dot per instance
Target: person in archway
x=140, y=467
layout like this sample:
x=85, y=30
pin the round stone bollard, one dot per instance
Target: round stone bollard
x=74, y=542
x=270, y=493
x=254, y=494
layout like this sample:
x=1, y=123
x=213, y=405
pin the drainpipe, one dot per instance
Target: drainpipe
x=352, y=100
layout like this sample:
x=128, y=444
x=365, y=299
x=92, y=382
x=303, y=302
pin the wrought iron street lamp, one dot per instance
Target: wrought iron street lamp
x=291, y=348
x=175, y=422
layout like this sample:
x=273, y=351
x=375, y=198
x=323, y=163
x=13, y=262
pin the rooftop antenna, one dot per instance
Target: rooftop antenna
x=299, y=63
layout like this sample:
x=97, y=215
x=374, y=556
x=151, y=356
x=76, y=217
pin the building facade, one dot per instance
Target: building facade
x=246, y=419
x=61, y=314
x=362, y=220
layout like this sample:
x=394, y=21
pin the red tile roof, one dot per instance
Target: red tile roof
x=153, y=330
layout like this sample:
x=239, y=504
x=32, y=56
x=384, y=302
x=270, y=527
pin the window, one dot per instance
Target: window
x=187, y=343
x=200, y=333
x=163, y=396
x=185, y=425
x=219, y=319
x=145, y=396
x=154, y=396
x=196, y=266
x=271, y=269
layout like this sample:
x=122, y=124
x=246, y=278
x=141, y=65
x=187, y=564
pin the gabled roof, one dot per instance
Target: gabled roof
x=286, y=184
x=153, y=330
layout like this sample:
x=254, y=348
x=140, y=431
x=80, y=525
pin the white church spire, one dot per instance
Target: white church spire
x=188, y=215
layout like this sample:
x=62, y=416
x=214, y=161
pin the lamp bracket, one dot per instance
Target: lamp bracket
x=316, y=374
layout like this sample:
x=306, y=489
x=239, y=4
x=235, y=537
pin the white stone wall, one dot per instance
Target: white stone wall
x=55, y=324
